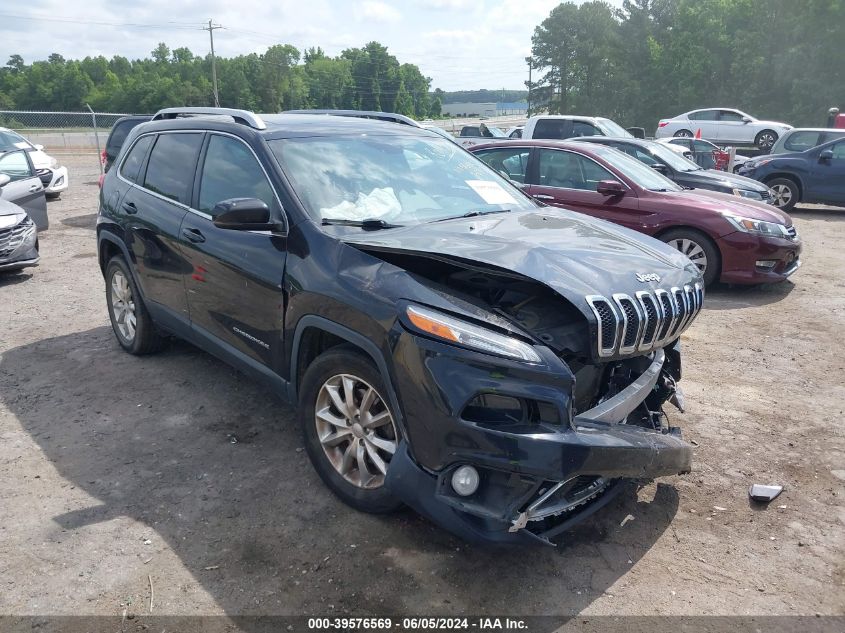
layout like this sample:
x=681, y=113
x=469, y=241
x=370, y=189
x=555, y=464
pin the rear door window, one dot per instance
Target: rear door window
x=511, y=161
x=172, y=165
x=132, y=162
x=704, y=115
x=552, y=129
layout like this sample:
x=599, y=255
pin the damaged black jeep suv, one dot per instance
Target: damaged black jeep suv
x=450, y=344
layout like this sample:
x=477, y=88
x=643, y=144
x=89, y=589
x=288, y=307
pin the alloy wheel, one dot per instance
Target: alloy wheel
x=355, y=429
x=692, y=250
x=123, y=306
x=683, y=134
x=766, y=141
x=783, y=194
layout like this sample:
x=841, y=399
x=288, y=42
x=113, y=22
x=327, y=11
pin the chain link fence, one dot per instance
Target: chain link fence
x=62, y=132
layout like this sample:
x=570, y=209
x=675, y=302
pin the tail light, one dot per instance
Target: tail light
x=100, y=181
x=662, y=123
x=103, y=157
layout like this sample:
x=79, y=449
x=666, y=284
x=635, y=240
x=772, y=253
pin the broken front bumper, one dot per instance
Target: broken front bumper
x=535, y=486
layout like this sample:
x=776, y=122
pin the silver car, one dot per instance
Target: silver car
x=20, y=184
x=723, y=126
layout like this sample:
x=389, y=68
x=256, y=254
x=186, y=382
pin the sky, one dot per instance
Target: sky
x=460, y=44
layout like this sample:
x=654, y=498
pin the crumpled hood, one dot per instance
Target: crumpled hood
x=9, y=208
x=573, y=254
x=729, y=204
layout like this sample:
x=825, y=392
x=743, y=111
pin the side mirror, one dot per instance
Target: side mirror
x=745, y=119
x=611, y=188
x=243, y=214
x=5, y=179
x=38, y=147
x=660, y=168
x=826, y=155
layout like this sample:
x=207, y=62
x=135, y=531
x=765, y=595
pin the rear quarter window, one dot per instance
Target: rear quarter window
x=132, y=164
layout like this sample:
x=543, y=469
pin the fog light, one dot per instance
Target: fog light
x=465, y=480
x=766, y=263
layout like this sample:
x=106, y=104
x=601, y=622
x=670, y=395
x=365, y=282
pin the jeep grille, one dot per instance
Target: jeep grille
x=628, y=325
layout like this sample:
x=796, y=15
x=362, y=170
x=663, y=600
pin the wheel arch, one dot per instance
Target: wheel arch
x=109, y=245
x=787, y=176
x=316, y=334
x=686, y=227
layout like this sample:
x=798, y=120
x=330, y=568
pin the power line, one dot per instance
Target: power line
x=67, y=20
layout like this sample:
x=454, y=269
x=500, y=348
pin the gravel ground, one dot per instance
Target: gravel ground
x=119, y=472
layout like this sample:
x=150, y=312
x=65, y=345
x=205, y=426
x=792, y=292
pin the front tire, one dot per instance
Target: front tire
x=786, y=191
x=349, y=428
x=133, y=327
x=699, y=248
x=765, y=140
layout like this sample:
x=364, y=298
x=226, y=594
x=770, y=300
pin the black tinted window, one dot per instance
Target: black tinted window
x=118, y=135
x=132, y=164
x=552, y=128
x=172, y=165
x=729, y=115
x=582, y=128
x=230, y=170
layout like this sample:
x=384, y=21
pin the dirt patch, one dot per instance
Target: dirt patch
x=176, y=467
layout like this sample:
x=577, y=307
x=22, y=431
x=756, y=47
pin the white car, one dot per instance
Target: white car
x=723, y=126
x=52, y=175
x=699, y=151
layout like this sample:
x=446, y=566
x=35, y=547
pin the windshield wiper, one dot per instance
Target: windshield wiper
x=368, y=224
x=472, y=214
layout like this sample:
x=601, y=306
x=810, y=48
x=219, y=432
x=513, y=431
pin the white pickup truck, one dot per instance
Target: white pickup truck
x=479, y=134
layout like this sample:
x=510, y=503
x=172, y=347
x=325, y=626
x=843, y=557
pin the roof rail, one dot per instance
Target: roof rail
x=244, y=117
x=391, y=117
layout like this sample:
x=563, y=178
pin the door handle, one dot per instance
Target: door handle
x=193, y=235
x=130, y=208
x=35, y=188
x=542, y=196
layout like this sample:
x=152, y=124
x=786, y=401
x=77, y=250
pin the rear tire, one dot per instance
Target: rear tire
x=349, y=428
x=682, y=134
x=133, y=327
x=787, y=193
x=765, y=140
x=701, y=250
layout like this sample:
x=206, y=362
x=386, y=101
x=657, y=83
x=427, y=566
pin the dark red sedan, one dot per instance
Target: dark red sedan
x=730, y=239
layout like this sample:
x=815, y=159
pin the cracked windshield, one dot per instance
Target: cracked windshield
x=394, y=180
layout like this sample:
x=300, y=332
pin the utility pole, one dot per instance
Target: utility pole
x=528, y=59
x=211, y=28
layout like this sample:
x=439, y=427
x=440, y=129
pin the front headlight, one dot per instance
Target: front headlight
x=446, y=328
x=748, y=225
x=747, y=193
x=13, y=219
x=757, y=162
